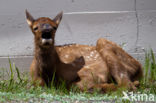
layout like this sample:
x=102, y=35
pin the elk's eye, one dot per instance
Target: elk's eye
x=36, y=28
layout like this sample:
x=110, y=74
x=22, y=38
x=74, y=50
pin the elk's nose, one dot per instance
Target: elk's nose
x=46, y=35
x=46, y=28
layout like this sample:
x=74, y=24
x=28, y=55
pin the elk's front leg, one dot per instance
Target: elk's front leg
x=36, y=79
x=93, y=74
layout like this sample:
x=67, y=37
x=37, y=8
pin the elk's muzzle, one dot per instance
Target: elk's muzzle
x=46, y=34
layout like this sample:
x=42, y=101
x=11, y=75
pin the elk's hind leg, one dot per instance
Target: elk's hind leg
x=107, y=87
x=121, y=71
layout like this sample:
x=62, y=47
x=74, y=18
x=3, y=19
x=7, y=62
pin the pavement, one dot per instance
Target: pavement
x=130, y=23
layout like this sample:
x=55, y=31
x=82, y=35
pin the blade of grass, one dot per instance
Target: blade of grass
x=147, y=65
x=153, y=65
x=53, y=78
x=18, y=74
x=12, y=74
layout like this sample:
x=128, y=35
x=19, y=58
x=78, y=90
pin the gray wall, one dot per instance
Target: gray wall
x=128, y=22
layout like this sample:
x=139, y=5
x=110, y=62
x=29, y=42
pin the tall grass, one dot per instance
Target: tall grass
x=14, y=79
x=148, y=82
x=149, y=67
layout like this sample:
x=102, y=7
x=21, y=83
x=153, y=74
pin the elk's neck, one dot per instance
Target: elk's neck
x=47, y=58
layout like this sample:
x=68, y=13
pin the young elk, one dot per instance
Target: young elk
x=46, y=62
x=86, y=66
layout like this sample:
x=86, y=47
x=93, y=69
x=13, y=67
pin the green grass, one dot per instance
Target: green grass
x=18, y=88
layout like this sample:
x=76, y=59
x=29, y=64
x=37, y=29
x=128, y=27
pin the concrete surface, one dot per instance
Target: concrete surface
x=128, y=22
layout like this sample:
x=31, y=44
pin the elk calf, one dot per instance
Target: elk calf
x=86, y=66
x=46, y=61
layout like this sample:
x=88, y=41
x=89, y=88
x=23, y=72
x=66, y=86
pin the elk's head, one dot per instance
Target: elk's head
x=43, y=29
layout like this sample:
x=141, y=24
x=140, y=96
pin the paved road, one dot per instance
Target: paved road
x=128, y=22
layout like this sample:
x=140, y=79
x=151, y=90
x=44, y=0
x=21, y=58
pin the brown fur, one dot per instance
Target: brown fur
x=94, y=66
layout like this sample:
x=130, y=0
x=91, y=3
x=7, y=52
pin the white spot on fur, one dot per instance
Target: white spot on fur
x=86, y=66
x=96, y=56
x=66, y=56
x=121, y=75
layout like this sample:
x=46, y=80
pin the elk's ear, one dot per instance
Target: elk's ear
x=29, y=18
x=58, y=18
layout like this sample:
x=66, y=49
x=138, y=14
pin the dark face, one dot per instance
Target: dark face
x=44, y=29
